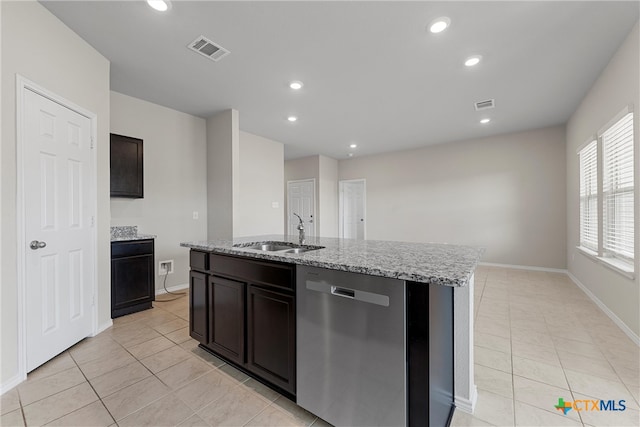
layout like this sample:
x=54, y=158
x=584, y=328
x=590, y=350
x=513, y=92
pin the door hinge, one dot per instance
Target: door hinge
x=93, y=300
x=91, y=144
x=93, y=221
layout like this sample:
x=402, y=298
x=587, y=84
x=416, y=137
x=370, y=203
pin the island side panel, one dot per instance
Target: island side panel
x=466, y=393
x=429, y=354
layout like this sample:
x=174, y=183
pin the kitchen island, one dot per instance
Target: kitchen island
x=256, y=306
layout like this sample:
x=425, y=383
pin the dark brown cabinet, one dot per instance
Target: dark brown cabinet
x=127, y=167
x=226, y=317
x=198, y=319
x=132, y=276
x=271, y=335
x=249, y=315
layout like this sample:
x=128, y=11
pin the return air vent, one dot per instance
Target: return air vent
x=485, y=105
x=208, y=49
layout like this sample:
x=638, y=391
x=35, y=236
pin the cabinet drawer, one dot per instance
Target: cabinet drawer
x=199, y=260
x=270, y=273
x=131, y=248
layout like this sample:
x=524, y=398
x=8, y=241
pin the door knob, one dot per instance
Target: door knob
x=35, y=245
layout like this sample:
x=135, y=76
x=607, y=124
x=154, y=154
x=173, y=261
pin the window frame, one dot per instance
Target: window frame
x=617, y=261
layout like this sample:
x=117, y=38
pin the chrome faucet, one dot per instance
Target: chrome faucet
x=300, y=228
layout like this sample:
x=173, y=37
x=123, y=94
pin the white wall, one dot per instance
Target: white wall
x=261, y=179
x=36, y=45
x=222, y=169
x=506, y=193
x=175, y=180
x=617, y=87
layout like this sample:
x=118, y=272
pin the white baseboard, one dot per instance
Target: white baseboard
x=467, y=405
x=523, y=267
x=103, y=327
x=11, y=383
x=635, y=338
x=172, y=288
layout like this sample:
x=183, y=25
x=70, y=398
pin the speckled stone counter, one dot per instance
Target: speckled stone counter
x=432, y=263
x=128, y=232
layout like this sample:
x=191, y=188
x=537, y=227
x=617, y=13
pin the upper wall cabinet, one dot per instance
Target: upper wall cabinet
x=126, y=167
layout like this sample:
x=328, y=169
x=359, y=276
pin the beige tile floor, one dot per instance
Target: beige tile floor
x=146, y=371
x=537, y=336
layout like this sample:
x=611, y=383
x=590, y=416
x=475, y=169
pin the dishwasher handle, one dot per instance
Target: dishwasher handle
x=343, y=292
x=353, y=294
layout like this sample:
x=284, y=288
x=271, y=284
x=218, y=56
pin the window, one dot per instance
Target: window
x=589, y=196
x=607, y=194
x=617, y=189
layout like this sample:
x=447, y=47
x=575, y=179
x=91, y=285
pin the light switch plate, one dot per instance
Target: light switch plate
x=275, y=205
x=195, y=214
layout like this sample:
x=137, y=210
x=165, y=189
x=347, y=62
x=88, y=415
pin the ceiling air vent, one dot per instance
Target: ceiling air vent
x=485, y=105
x=207, y=48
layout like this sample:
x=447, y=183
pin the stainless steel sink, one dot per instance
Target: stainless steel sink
x=281, y=247
x=270, y=247
x=297, y=250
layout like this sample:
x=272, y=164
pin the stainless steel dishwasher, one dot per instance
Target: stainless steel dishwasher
x=351, y=361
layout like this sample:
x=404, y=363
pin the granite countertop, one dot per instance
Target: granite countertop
x=432, y=263
x=128, y=232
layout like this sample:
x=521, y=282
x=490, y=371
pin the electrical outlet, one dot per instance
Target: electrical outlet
x=165, y=267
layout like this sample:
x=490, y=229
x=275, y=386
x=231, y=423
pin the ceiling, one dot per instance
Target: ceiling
x=373, y=74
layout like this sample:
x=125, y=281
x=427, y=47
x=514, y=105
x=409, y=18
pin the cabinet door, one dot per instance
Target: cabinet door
x=131, y=279
x=198, y=306
x=227, y=314
x=127, y=175
x=271, y=336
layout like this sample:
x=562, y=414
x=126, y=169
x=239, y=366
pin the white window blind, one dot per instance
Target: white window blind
x=618, y=189
x=589, y=196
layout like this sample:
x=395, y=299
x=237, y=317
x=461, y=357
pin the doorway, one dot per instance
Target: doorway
x=352, y=209
x=301, y=200
x=56, y=224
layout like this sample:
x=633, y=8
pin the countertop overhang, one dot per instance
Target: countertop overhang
x=430, y=263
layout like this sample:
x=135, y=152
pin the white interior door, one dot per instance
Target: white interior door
x=57, y=193
x=352, y=209
x=301, y=199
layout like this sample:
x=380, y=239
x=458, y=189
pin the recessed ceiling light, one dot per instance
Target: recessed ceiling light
x=292, y=118
x=350, y=154
x=353, y=146
x=438, y=25
x=473, y=60
x=159, y=5
x=485, y=121
x=296, y=85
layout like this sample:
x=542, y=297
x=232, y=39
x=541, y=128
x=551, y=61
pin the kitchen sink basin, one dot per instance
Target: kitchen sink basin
x=269, y=247
x=280, y=247
x=297, y=250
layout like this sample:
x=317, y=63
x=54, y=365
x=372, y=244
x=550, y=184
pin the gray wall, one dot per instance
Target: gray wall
x=617, y=87
x=36, y=45
x=328, y=196
x=261, y=178
x=325, y=171
x=222, y=168
x=175, y=180
x=506, y=193
x=298, y=169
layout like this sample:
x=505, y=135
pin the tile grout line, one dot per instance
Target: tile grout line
x=94, y=390
x=513, y=385
x=24, y=417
